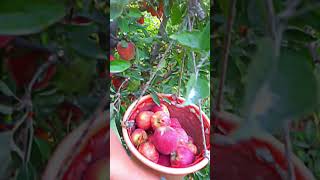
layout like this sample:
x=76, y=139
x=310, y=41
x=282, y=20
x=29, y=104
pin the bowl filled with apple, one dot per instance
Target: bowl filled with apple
x=167, y=136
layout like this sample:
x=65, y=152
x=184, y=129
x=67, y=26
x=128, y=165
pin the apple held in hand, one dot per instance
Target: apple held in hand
x=126, y=50
x=149, y=151
x=143, y=119
x=138, y=137
x=182, y=136
x=164, y=160
x=159, y=119
x=162, y=107
x=182, y=157
x=192, y=148
x=165, y=139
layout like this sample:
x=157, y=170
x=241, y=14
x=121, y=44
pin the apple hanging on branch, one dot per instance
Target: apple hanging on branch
x=126, y=50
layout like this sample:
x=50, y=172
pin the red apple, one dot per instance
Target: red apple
x=174, y=122
x=79, y=20
x=193, y=148
x=97, y=170
x=149, y=151
x=159, y=119
x=143, y=119
x=164, y=160
x=4, y=40
x=182, y=157
x=165, y=139
x=138, y=137
x=23, y=67
x=151, y=138
x=162, y=107
x=126, y=52
x=182, y=136
x=141, y=20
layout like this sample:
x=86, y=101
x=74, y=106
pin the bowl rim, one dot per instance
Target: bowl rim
x=167, y=170
x=268, y=138
x=58, y=157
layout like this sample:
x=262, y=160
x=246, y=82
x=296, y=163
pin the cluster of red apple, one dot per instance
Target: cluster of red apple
x=162, y=140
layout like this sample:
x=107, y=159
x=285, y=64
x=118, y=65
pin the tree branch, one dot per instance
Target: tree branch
x=227, y=44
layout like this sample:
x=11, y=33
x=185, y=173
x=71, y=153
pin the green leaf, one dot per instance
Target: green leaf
x=278, y=89
x=176, y=14
x=133, y=85
x=123, y=23
x=134, y=12
x=205, y=38
x=5, y=156
x=113, y=124
x=79, y=40
x=4, y=109
x=166, y=100
x=155, y=98
x=20, y=17
x=44, y=148
x=189, y=39
x=197, y=88
x=118, y=66
x=5, y=89
x=116, y=7
x=79, y=70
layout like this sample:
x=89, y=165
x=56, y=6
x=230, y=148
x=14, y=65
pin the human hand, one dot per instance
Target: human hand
x=123, y=167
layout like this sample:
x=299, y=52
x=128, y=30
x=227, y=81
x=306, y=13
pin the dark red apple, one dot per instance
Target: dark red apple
x=182, y=157
x=159, y=119
x=193, y=148
x=141, y=20
x=143, y=120
x=138, y=137
x=97, y=170
x=162, y=107
x=126, y=52
x=151, y=138
x=79, y=20
x=174, y=122
x=182, y=135
x=164, y=160
x=4, y=40
x=165, y=139
x=23, y=67
x=149, y=151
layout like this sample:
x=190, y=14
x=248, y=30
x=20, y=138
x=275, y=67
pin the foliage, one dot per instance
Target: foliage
x=263, y=86
x=164, y=48
x=33, y=120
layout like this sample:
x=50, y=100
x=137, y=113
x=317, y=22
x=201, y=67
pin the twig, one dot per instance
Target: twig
x=181, y=73
x=291, y=9
x=305, y=10
x=288, y=151
x=52, y=60
x=151, y=78
x=227, y=43
x=118, y=98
